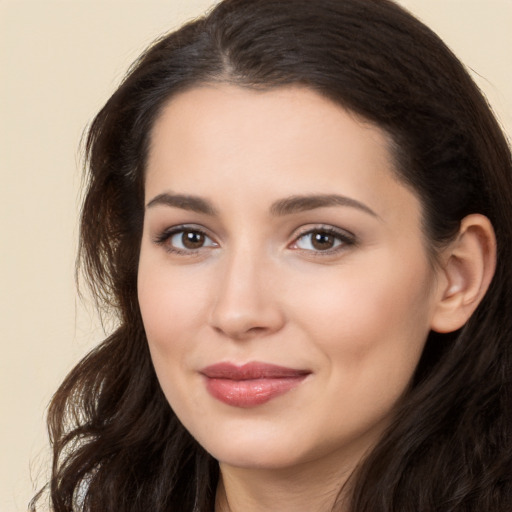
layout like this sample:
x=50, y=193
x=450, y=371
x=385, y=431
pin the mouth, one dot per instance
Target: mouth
x=251, y=384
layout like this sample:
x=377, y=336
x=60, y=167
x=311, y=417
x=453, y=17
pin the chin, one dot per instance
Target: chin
x=257, y=458
x=253, y=450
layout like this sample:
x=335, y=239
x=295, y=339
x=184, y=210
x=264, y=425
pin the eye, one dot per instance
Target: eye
x=190, y=240
x=323, y=240
x=184, y=240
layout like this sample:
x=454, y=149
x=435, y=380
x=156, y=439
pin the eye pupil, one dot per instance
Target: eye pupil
x=322, y=241
x=192, y=239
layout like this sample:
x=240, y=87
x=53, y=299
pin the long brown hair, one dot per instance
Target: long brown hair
x=117, y=444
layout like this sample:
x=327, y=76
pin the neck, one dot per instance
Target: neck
x=297, y=489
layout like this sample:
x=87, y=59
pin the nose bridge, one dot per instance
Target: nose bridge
x=245, y=303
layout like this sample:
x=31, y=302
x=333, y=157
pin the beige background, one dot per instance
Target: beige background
x=59, y=61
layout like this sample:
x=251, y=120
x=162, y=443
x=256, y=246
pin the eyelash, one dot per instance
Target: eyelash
x=164, y=237
x=344, y=239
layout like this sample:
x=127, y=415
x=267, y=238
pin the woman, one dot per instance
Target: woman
x=300, y=212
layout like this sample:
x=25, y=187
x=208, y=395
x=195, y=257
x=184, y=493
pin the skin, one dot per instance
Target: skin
x=355, y=316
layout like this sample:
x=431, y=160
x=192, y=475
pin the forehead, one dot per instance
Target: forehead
x=256, y=118
x=279, y=142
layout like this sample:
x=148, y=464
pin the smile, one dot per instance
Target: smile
x=251, y=384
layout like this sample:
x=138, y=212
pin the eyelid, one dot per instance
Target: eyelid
x=166, y=234
x=345, y=237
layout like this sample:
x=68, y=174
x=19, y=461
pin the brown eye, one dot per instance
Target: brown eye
x=192, y=239
x=322, y=241
x=183, y=240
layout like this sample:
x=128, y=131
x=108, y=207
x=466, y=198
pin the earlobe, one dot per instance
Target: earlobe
x=468, y=265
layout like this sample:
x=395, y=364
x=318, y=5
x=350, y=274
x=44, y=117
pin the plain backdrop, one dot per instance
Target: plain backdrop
x=59, y=62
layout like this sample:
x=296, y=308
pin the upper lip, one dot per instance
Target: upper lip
x=249, y=371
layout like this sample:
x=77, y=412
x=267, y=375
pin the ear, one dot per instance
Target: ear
x=467, y=268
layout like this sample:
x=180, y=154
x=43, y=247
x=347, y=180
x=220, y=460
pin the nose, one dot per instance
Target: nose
x=246, y=303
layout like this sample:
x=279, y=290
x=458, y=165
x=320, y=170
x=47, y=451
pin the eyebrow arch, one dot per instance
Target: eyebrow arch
x=296, y=204
x=183, y=201
x=287, y=206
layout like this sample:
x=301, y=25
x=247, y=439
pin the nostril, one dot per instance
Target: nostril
x=240, y=332
x=241, y=306
x=249, y=325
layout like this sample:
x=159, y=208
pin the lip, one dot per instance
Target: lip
x=251, y=384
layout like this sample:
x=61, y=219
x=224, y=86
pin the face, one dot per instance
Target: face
x=283, y=281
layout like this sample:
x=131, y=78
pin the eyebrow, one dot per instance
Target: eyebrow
x=296, y=204
x=185, y=202
x=286, y=206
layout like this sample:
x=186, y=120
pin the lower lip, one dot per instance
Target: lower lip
x=252, y=392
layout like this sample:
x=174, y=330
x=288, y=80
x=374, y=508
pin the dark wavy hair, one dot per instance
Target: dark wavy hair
x=117, y=444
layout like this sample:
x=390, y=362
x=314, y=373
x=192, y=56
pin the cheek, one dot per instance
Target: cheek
x=167, y=309
x=369, y=329
x=170, y=297
x=370, y=315
x=174, y=306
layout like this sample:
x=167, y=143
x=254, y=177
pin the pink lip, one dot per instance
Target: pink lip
x=251, y=384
